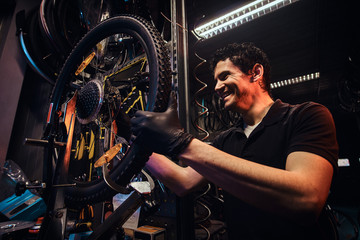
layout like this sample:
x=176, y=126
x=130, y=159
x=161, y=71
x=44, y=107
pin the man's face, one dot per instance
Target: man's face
x=233, y=86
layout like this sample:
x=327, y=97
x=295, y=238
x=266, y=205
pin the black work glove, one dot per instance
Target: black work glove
x=161, y=132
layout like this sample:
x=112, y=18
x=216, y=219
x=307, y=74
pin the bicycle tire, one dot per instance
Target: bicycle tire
x=35, y=49
x=158, y=96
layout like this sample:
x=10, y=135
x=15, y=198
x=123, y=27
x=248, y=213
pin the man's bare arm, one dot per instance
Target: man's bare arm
x=298, y=192
x=180, y=180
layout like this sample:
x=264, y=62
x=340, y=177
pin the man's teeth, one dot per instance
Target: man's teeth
x=225, y=95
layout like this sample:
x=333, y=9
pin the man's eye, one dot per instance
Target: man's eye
x=224, y=77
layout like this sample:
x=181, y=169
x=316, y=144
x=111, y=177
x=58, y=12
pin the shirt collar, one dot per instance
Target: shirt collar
x=276, y=112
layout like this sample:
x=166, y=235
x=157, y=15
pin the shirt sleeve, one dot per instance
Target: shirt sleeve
x=314, y=131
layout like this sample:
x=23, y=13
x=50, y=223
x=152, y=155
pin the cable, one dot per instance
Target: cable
x=167, y=19
x=204, y=110
x=203, y=205
x=206, y=230
x=204, y=193
x=207, y=216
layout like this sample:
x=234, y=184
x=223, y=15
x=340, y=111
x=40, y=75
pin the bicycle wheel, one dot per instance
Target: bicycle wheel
x=118, y=67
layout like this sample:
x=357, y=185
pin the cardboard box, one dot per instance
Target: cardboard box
x=149, y=233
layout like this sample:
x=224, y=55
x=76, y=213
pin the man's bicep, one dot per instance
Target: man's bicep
x=315, y=133
x=315, y=170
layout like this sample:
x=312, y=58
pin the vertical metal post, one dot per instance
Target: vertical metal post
x=179, y=50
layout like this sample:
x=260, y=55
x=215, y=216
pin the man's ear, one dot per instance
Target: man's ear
x=257, y=72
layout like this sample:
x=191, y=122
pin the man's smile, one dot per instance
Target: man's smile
x=225, y=94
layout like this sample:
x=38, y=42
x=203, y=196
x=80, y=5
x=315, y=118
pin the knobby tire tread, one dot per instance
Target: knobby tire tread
x=158, y=57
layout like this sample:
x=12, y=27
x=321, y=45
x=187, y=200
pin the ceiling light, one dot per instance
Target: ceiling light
x=240, y=16
x=295, y=80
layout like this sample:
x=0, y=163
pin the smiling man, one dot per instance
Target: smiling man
x=275, y=167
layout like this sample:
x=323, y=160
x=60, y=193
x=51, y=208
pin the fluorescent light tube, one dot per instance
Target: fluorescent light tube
x=240, y=16
x=295, y=80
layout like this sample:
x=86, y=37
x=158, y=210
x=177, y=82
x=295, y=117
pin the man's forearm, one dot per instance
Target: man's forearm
x=178, y=179
x=287, y=192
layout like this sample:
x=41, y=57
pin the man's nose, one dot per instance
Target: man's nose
x=219, y=85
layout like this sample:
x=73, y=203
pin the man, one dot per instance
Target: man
x=276, y=167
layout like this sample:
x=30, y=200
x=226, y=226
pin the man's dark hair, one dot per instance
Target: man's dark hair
x=244, y=56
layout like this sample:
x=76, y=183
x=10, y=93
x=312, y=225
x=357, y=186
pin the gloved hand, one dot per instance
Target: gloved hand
x=161, y=132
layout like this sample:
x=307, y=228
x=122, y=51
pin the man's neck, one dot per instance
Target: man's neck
x=258, y=111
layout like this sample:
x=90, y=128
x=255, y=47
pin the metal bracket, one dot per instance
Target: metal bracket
x=42, y=143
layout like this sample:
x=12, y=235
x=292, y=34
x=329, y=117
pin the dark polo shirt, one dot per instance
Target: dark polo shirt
x=286, y=128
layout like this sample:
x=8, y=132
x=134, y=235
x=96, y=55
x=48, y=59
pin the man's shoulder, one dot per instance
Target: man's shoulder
x=308, y=108
x=298, y=106
x=286, y=112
